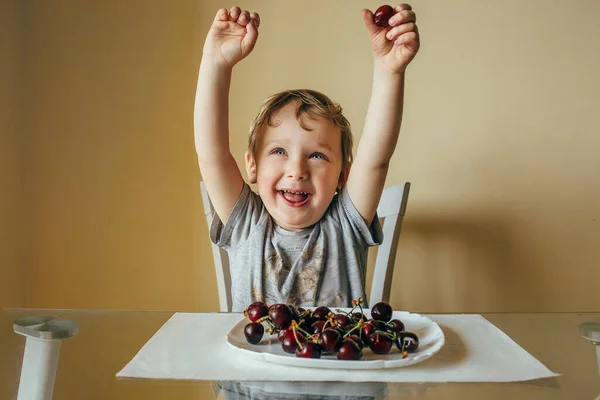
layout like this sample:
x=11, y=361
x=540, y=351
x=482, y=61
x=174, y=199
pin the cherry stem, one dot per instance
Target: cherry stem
x=357, y=326
x=265, y=318
x=390, y=335
x=296, y=326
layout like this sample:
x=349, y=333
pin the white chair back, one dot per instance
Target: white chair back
x=391, y=209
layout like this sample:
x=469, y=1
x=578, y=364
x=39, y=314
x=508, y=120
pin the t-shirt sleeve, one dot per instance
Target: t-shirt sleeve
x=245, y=215
x=351, y=220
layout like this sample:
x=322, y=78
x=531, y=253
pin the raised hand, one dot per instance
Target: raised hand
x=232, y=36
x=396, y=45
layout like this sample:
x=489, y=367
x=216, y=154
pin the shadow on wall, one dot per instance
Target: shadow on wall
x=462, y=263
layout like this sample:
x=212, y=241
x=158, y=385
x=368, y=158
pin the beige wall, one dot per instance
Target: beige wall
x=499, y=141
x=113, y=172
x=12, y=271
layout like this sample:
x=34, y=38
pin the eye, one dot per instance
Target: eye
x=278, y=151
x=318, y=155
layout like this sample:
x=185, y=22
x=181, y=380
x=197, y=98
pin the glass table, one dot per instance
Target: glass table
x=108, y=340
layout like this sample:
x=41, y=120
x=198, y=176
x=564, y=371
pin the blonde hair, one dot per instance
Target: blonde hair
x=311, y=103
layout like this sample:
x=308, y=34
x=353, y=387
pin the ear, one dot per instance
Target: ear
x=250, y=167
x=343, y=177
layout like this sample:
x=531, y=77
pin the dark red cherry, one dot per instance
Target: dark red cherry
x=411, y=341
x=256, y=310
x=254, y=332
x=281, y=315
x=380, y=343
x=357, y=316
x=395, y=325
x=320, y=313
x=309, y=350
x=289, y=344
x=367, y=330
x=295, y=313
x=356, y=339
x=343, y=319
x=382, y=15
x=381, y=312
x=349, y=328
x=349, y=350
x=282, y=332
x=379, y=325
x=329, y=340
x=317, y=327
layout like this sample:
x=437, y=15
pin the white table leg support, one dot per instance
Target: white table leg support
x=42, y=349
x=598, y=357
x=39, y=369
x=591, y=332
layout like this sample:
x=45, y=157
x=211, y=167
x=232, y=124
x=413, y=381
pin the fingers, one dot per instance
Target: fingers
x=244, y=18
x=402, y=17
x=402, y=7
x=256, y=18
x=368, y=20
x=236, y=14
x=222, y=15
x=397, y=31
x=410, y=38
x=403, y=25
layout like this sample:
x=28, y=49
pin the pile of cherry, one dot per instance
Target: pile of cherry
x=311, y=333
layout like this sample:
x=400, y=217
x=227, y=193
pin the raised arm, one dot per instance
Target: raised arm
x=232, y=37
x=393, y=49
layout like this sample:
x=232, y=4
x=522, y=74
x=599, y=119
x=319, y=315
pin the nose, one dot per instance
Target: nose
x=297, y=170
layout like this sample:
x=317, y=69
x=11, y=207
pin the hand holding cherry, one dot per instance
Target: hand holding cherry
x=394, y=35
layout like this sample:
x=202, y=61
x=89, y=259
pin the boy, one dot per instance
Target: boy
x=303, y=239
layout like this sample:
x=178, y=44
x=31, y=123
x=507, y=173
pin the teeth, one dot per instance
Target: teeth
x=291, y=191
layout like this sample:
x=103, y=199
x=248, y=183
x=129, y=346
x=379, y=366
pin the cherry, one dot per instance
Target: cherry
x=295, y=313
x=254, y=332
x=379, y=325
x=290, y=343
x=380, y=343
x=349, y=350
x=320, y=313
x=309, y=350
x=343, y=319
x=256, y=310
x=367, y=331
x=349, y=328
x=410, y=341
x=317, y=327
x=395, y=325
x=382, y=15
x=357, y=340
x=329, y=340
x=381, y=312
x=357, y=316
x=281, y=315
x=282, y=332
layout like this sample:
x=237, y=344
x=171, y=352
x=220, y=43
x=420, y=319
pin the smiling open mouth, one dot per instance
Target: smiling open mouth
x=294, y=199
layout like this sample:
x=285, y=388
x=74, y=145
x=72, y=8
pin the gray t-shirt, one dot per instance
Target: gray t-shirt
x=324, y=264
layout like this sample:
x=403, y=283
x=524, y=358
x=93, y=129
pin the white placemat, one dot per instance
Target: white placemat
x=193, y=346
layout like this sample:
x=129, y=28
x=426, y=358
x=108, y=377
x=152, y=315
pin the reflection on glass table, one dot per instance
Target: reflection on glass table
x=107, y=340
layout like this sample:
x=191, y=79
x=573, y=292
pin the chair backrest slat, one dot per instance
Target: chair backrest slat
x=391, y=209
x=220, y=258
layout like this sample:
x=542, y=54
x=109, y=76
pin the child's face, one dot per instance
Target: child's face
x=291, y=159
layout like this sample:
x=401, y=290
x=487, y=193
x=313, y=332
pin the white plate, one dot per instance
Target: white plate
x=431, y=341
